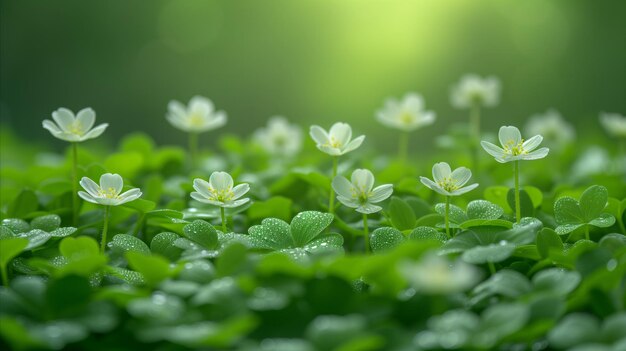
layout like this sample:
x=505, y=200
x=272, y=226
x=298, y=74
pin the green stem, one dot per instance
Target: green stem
x=403, y=146
x=223, y=214
x=367, y=235
x=139, y=224
x=75, y=184
x=331, y=201
x=587, y=232
x=474, y=134
x=492, y=268
x=105, y=228
x=448, y=216
x=518, y=210
x=193, y=148
x=5, y=275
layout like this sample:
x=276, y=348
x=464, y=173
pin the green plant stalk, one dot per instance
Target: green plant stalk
x=105, y=228
x=193, y=148
x=75, y=184
x=223, y=214
x=5, y=275
x=403, y=146
x=474, y=134
x=518, y=210
x=587, y=232
x=139, y=225
x=492, y=268
x=367, y=234
x=447, y=219
x=331, y=200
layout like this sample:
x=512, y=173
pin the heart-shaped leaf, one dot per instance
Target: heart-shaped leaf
x=273, y=233
x=307, y=225
x=571, y=214
x=385, y=238
x=124, y=243
x=46, y=223
x=547, y=241
x=401, y=214
x=482, y=209
x=202, y=233
x=427, y=233
x=163, y=244
x=457, y=215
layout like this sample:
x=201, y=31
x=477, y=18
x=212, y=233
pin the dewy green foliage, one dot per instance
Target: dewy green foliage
x=280, y=272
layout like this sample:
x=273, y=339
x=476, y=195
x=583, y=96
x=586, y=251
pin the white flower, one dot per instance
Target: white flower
x=360, y=193
x=473, y=89
x=448, y=182
x=552, y=126
x=74, y=128
x=406, y=115
x=108, y=192
x=436, y=275
x=280, y=137
x=514, y=147
x=219, y=191
x=337, y=141
x=614, y=123
x=198, y=117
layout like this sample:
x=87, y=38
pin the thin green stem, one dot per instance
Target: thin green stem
x=75, y=184
x=331, y=195
x=367, y=234
x=492, y=268
x=474, y=134
x=5, y=275
x=587, y=232
x=403, y=146
x=139, y=224
x=223, y=214
x=518, y=210
x=105, y=228
x=193, y=148
x=447, y=219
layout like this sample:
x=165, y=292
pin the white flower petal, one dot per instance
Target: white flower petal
x=200, y=105
x=509, y=135
x=176, y=108
x=492, y=149
x=381, y=193
x=354, y=144
x=319, y=135
x=198, y=197
x=349, y=202
x=413, y=102
x=111, y=181
x=441, y=170
x=133, y=194
x=221, y=181
x=202, y=187
x=87, y=197
x=363, y=180
x=532, y=143
x=368, y=208
x=461, y=175
x=85, y=119
x=240, y=190
x=464, y=190
x=96, y=132
x=236, y=203
x=90, y=186
x=342, y=187
x=340, y=132
x=49, y=125
x=333, y=151
x=535, y=155
x=433, y=186
x=64, y=118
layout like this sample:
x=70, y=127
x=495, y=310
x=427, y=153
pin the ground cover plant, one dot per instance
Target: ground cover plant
x=243, y=246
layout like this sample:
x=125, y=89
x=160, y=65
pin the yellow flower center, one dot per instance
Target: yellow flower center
x=76, y=128
x=108, y=193
x=334, y=143
x=221, y=195
x=407, y=118
x=196, y=120
x=448, y=184
x=360, y=193
x=515, y=149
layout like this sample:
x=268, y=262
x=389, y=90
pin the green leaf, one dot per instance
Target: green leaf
x=125, y=243
x=386, y=238
x=401, y=214
x=76, y=248
x=566, y=211
x=307, y=225
x=16, y=225
x=556, y=281
x=501, y=320
x=68, y=295
x=10, y=248
x=505, y=283
x=163, y=244
x=83, y=256
x=275, y=207
x=140, y=205
x=535, y=195
x=159, y=307
x=46, y=223
x=273, y=233
x=593, y=201
x=427, y=233
x=604, y=220
x=548, y=240
x=232, y=260
x=325, y=243
x=201, y=232
x=575, y=329
x=482, y=209
x=153, y=268
x=457, y=215
x=24, y=204
x=16, y=334
x=489, y=253
x=497, y=195
x=526, y=203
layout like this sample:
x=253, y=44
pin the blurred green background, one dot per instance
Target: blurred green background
x=310, y=60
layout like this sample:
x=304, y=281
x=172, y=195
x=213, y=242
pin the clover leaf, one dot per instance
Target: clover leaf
x=304, y=233
x=588, y=211
x=478, y=213
x=387, y=238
